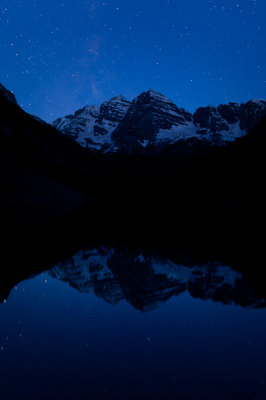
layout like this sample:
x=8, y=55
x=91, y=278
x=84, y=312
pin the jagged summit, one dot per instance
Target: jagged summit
x=118, y=97
x=151, y=91
x=152, y=123
x=155, y=94
x=152, y=96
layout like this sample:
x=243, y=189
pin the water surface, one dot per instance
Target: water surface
x=120, y=324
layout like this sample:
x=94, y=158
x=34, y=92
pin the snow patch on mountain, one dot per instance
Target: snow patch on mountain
x=176, y=133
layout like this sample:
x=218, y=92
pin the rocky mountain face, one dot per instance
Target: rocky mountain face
x=92, y=126
x=153, y=124
x=146, y=281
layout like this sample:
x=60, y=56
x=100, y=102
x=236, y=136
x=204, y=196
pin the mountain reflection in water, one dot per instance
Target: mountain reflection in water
x=62, y=338
x=146, y=281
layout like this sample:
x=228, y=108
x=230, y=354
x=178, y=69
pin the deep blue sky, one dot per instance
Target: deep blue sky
x=58, y=55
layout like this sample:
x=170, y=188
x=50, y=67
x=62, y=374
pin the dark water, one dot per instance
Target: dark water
x=120, y=324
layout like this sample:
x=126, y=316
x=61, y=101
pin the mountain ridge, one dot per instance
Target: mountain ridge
x=153, y=124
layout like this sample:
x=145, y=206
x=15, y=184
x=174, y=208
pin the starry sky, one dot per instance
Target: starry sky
x=57, y=56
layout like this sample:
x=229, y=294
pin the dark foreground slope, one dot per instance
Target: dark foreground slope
x=38, y=168
x=37, y=145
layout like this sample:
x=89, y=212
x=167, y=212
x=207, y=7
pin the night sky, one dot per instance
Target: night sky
x=57, y=56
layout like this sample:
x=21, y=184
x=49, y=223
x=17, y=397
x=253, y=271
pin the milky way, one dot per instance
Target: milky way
x=57, y=56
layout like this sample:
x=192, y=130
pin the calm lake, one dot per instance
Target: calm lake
x=121, y=324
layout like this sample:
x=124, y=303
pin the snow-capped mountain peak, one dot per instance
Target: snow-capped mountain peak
x=92, y=126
